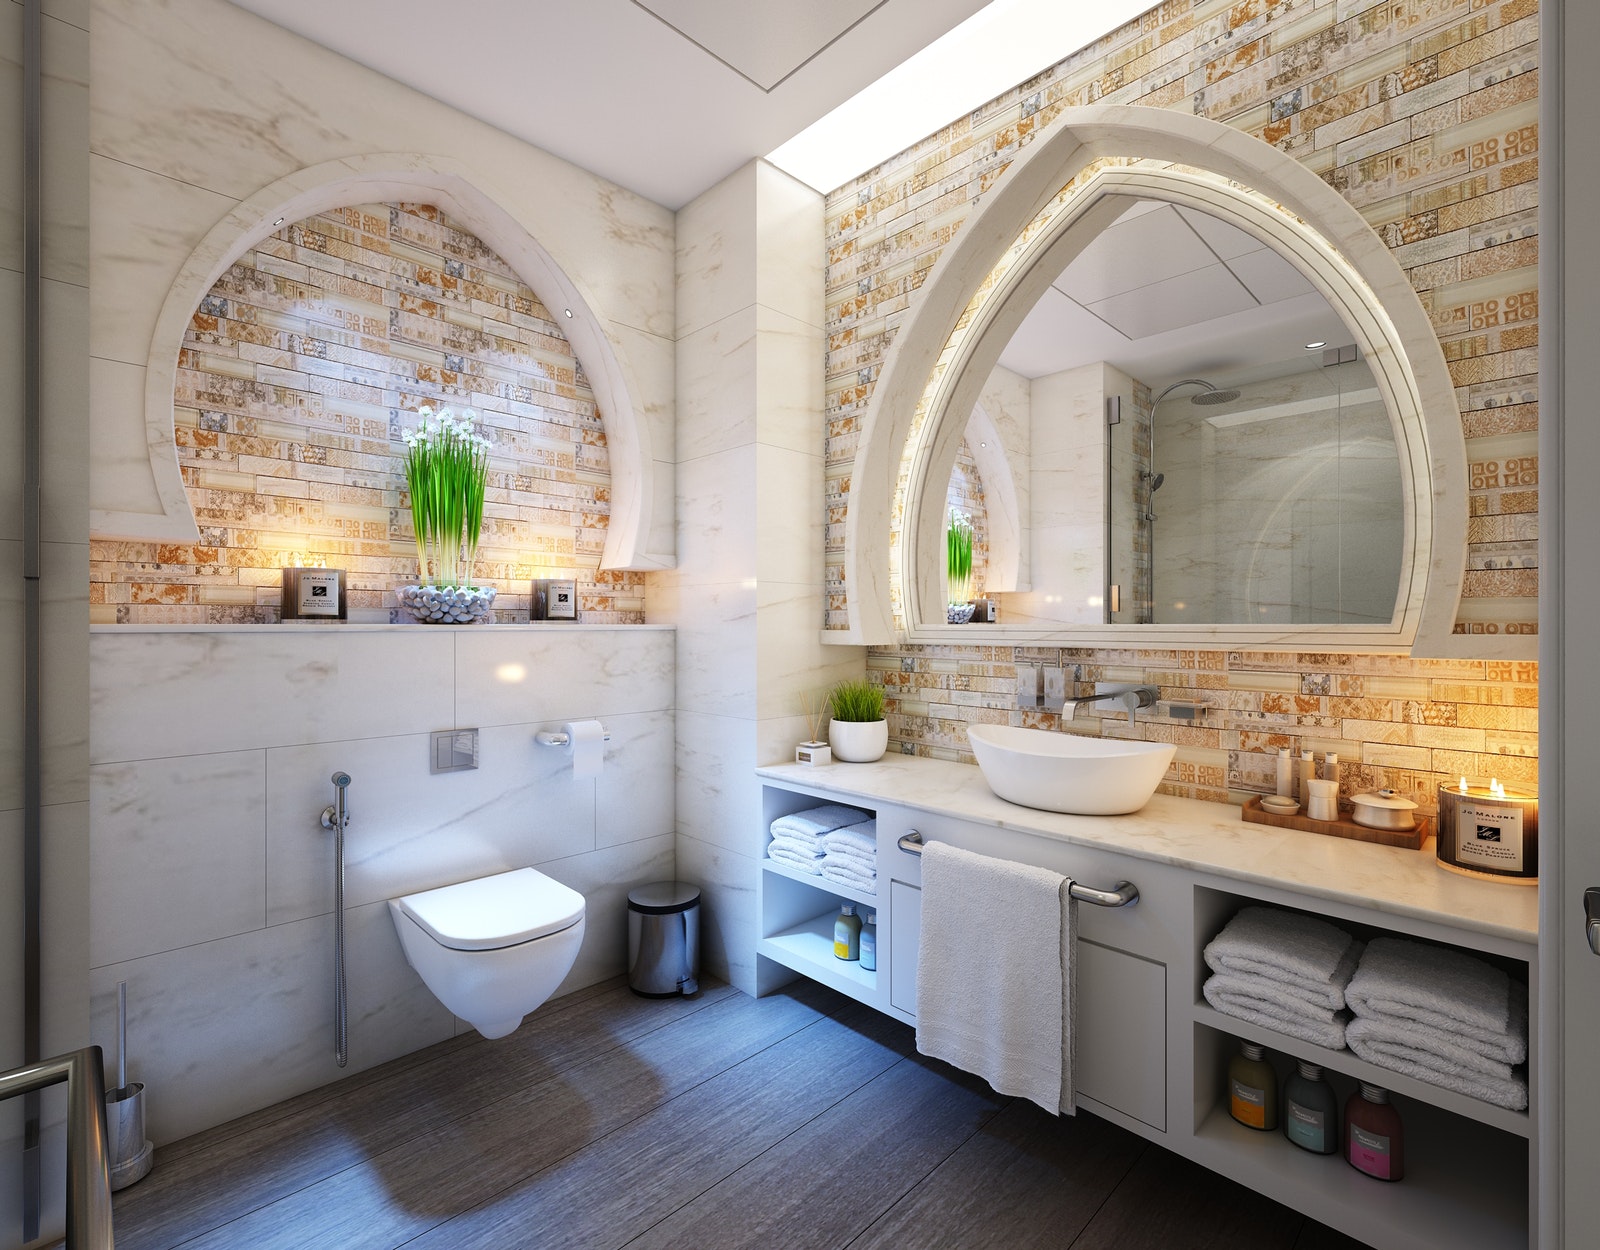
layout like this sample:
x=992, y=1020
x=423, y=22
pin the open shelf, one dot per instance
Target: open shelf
x=1465, y=1183
x=808, y=949
x=1348, y=1063
x=859, y=897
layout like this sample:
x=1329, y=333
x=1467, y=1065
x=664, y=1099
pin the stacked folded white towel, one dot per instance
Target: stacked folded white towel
x=1285, y=971
x=1442, y=1016
x=797, y=837
x=850, y=856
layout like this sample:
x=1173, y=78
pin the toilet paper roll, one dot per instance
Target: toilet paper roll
x=586, y=739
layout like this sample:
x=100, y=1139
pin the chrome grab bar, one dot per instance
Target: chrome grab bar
x=336, y=816
x=88, y=1175
x=1125, y=894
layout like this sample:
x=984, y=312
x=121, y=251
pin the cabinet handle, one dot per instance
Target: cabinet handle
x=1127, y=893
x=1591, y=917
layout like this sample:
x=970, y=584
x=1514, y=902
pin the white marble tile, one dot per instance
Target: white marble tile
x=64, y=141
x=120, y=477
x=604, y=878
x=551, y=674
x=791, y=246
x=411, y=829
x=716, y=257
x=717, y=392
x=142, y=226
x=777, y=736
x=226, y=1027
x=635, y=795
x=717, y=663
x=179, y=853
x=794, y=664
x=64, y=965
x=64, y=407
x=64, y=720
x=790, y=406
x=719, y=800
x=789, y=516
x=728, y=910
x=11, y=1052
x=716, y=517
x=163, y=693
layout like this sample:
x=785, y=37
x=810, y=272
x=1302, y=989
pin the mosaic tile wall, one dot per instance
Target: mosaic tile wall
x=299, y=372
x=1423, y=113
x=1393, y=721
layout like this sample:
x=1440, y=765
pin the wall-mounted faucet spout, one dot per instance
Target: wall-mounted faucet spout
x=1129, y=696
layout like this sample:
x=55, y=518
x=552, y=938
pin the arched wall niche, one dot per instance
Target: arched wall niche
x=641, y=529
x=1089, y=153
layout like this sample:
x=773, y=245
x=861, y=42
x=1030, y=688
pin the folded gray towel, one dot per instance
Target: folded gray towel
x=1473, y=1003
x=1313, y=959
x=1261, y=1001
x=1426, y=1055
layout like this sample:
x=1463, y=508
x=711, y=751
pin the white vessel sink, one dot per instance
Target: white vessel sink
x=1059, y=772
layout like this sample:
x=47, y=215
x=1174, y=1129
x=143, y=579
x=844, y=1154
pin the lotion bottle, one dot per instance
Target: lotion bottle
x=1285, y=773
x=1374, y=1138
x=869, y=942
x=1252, y=1089
x=847, y=933
x=1311, y=1111
x=1308, y=772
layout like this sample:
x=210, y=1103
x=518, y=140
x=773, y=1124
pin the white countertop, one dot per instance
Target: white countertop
x=1205, y=837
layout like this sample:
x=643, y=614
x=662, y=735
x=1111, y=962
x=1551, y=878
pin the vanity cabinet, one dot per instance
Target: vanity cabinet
x=1152, y=1055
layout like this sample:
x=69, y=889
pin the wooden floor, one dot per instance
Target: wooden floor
x=797, y=1120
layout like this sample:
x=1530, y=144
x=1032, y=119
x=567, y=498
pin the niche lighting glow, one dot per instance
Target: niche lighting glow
x=1004, y=43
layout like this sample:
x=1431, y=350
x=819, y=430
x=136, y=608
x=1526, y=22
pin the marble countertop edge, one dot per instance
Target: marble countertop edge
x=1204, y=837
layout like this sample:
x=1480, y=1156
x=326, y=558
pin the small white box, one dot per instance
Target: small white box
x=313, y=594
x=813, y=753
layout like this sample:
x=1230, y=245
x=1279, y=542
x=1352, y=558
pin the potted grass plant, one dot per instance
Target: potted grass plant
x=447, y=470
x=857, y=732
x=958, y=568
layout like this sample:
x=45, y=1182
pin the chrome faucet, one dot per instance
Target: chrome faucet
x=1130, y=697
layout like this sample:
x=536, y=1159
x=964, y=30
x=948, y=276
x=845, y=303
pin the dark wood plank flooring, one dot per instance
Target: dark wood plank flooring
x=794, y=1121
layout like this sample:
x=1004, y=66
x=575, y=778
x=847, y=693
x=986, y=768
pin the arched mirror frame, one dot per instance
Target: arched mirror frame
x=1048, y=205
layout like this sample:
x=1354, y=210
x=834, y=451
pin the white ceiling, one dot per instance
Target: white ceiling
x=664, y=97
x=1167, y=292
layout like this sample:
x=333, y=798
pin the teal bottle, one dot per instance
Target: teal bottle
x=1311, y=1111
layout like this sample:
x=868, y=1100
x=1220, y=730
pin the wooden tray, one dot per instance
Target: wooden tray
x=1410, y=839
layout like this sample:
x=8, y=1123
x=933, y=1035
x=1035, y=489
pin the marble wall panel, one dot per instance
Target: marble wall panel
x=717, y=380
x=557, y=673
x=716, y=765
x=716, y=515
x=604, y=878
x=728, y=920
x=299, y=685
x=181, y=852
x=715, y=260
x=226, y=1027
x=635, y=798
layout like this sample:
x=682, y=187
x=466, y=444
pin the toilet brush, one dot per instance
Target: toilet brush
x=131, y=1155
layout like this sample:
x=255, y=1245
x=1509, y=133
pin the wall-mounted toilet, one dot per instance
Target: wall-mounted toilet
x=494, y=948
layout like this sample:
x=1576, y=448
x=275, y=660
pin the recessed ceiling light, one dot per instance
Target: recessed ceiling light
x=279, y=222
x=568, y=311
x=1311, y=347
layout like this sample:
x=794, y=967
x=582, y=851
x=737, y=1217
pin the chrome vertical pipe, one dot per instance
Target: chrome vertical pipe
x=32, y=567
x=336, y=817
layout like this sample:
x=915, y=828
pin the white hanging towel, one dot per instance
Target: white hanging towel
x=995, y=987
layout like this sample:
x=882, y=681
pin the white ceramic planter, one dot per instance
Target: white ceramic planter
x=858, y=742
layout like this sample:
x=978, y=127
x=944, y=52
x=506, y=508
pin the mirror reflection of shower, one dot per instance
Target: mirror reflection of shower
x=1152, y=481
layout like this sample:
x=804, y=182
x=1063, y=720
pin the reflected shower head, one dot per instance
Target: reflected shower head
x=1213, y=396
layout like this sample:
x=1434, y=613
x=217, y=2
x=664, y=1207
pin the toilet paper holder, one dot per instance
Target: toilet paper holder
x=550, y=738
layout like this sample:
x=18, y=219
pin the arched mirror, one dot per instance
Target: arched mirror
x=1166, y=396
x=1178, y=431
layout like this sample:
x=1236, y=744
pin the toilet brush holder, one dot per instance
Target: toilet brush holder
x=129, y=1154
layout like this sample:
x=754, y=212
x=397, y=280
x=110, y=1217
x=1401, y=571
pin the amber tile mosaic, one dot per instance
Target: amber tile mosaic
x=299, y=373
x=1393, y=722
x=1422, y=113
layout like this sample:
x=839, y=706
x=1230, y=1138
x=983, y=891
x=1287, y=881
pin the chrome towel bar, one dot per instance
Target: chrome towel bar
x=1125, y=893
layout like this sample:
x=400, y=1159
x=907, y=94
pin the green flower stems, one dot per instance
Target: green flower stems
x=958, y=557
x=856, y=701
x=447, y=471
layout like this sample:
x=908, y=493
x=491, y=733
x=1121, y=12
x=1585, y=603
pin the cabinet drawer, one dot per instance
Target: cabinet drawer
x=1121, y=1056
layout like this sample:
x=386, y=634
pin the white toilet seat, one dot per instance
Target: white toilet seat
x=490, y=913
